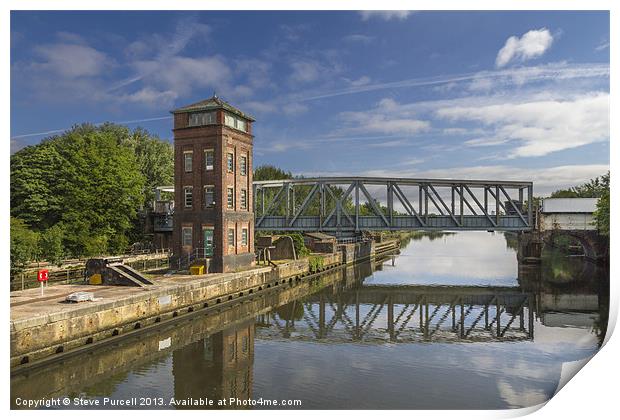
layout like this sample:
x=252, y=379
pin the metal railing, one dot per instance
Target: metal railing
x=184, y=261
x=75, y=274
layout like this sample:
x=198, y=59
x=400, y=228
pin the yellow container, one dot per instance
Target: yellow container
x=197, y=270
x=95, y=279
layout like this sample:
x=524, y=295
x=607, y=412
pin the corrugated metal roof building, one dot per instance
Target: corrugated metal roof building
x=569, y=205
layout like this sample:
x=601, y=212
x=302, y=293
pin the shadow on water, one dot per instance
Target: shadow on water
x=348, y=340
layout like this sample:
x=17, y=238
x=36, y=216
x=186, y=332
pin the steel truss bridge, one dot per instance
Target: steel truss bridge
x=375, y=314
x=348, y=205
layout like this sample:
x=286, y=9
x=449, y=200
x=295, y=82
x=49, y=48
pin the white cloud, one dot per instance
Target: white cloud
x=531, y=45
x=545, y=179
x=294, y=108
x=70, y=60
x=385, y=14
x=149, y=95
x=364, y=39
x=388, y=117
x=70, y=37
x=259, y=107
x=181, y=75
x=304, y=71
x=503, y=78
x=364, y=80
x=602, y=46
x=481, y=84
x=539, y=127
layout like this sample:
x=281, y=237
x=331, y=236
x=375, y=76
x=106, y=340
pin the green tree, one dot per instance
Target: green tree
x=155, y=158
x=595, y=188
x=601, y=215
x=270, y=172
x=90, y=180
x=36, y=196
x=51, y=244
x=24, y=245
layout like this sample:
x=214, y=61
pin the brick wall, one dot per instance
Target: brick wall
x=222, y=140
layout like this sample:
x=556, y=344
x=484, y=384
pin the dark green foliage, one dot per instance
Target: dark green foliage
x=601, y=215
x=24, y=245
x=270, y=172
x=36, y=194
x=51, y=244
x=82, y=190
x=595, y=188
x=155, y=159
x=298, y=243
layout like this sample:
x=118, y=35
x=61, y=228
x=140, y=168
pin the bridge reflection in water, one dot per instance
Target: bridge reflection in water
x=405, y=314
x=211, y=353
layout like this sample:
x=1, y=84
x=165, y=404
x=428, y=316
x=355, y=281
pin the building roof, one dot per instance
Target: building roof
x=210, y=104
x=569, y=205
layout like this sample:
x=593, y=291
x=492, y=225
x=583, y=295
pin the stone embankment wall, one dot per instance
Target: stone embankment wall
x=47, y=334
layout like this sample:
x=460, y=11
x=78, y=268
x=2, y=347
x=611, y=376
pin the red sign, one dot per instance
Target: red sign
x=42, y=275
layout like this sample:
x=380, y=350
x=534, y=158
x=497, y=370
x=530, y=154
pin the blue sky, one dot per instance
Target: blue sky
x=507, y=95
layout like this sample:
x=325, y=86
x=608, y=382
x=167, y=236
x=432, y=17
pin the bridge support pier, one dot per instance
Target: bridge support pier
x=530, y=248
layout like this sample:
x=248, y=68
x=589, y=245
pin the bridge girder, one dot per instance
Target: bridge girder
x=335, y=204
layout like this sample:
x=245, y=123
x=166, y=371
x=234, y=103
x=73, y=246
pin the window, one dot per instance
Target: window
x=230, y=162
x=201, y=118
x=187, y=196
x=235, y=122
x=244, y=237
x=186, y=236
x=209, y=158
x=244, y=199
x=209, y=196
x=230, y=198
x=187, y=160
x=243, y=165
x=229, y=120
x=231, y=236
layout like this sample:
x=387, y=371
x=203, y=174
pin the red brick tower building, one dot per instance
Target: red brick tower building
x=213, y=215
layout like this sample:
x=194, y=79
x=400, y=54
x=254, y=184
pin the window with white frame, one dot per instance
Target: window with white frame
x=229, y=120
x=188, y=197
x=209, y=159
x=244, y=237
x=201, y=118
x=243, y=165
x=231, y=236
x=235, y=122
x=230, y=162
x=188, y=160
x=209, y=196
x=244, y=199
x=230, y=198
x=186, y=236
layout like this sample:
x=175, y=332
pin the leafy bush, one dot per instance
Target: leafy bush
x=315, y=262
x=298, y=243
x=24, y=245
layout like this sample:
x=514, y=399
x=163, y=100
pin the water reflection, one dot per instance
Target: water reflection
x=369, y=336
x=469, y=258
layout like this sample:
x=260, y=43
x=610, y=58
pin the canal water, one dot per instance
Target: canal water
x=452, y=322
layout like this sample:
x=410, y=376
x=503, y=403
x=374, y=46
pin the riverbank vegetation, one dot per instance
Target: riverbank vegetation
x=80, y=193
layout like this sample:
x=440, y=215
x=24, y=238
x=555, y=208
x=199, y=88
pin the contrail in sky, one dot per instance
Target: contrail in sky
x=60, y=130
